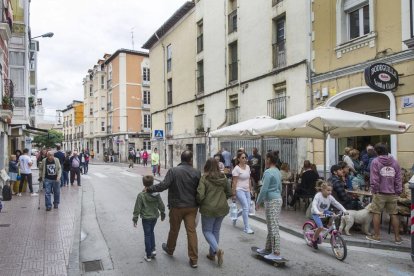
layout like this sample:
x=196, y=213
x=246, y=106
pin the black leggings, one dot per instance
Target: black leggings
x=25, y=176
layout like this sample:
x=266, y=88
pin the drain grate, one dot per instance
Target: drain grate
x=4, y=225
x=91, y=266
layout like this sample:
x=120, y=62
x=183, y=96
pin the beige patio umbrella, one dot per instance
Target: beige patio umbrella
x=322, y=122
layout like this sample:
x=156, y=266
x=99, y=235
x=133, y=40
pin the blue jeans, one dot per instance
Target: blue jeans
x=65, y=177
x=244, y=198
x=154, y=169
x=49, y=185
x=148, y=225
x=211, y=231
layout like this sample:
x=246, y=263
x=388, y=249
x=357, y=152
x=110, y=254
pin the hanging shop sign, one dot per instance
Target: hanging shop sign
x=381, y=77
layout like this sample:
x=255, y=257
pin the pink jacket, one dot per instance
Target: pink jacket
x=385, y=176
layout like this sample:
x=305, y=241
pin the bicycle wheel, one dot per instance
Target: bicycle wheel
x=306, y=228
x=338, y=247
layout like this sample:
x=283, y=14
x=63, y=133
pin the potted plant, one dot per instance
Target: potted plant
x=6, y=102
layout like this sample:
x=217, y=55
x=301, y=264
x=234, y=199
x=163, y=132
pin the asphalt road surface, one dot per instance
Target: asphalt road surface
x=109, y=194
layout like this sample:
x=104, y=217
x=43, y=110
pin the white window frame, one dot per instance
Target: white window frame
x=342, y=32
x=406, y=16
x=102, y=126
x=146, y=74
x=360, y=10
x=147, y=121
x=146, y=97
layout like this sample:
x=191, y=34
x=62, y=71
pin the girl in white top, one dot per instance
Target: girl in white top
x=242, y=187
x=320, y=204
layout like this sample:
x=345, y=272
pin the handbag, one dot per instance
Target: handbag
x=18, y=177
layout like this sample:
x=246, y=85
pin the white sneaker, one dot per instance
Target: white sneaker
x=272, y=257
x=249, y=231
x=154, y=253
x=19, y=194
x=148, y=259
x=262, y=251
x=33, y=194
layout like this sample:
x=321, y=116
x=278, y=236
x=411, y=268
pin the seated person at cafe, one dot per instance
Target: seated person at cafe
x=347, y=177
x=307, y=184
x=339, y=192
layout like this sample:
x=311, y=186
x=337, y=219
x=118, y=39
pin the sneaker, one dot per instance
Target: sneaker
x=193, y=265
x=19, y=194
x=399, y=241
x=234, y=222
x=48, y=209
x=33, y=194
x=211, y=257
x=148, y=259
x=290, y=208
x=263, y=251
x=272, y=257
x=153, y=253
x=164, y=247
x=373, y=238
x=315, y=244
x=220, y=255
x=249, y=231
x=55, y=206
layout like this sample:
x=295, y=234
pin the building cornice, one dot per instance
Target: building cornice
x=360, y=67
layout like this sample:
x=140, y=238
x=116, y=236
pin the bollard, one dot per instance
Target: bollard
x=412, y=217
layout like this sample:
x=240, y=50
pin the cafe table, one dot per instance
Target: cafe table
x=286, y=185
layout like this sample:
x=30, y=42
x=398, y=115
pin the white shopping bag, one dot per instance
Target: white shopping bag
x=252, y=211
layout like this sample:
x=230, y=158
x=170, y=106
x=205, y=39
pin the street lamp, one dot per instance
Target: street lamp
x=49, y=34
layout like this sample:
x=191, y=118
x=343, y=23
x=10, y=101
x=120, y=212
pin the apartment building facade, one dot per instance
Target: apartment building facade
x=206, y=77
x=96, y=108
x=363, y=33
x=73, y=126
x=6, y=85
x=129, y=99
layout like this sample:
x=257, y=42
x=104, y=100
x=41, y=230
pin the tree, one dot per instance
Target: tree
x=49, y=139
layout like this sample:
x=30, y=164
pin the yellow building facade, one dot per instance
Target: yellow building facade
x=348, y=36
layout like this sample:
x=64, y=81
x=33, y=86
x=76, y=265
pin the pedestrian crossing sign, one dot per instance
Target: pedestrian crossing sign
x=158, y=134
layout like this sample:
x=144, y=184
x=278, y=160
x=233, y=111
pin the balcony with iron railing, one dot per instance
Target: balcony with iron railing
x=279, y=54
x=199, y=124
x=168, y=130
x=276, y=108
x=233, y=71
x=232, y=115
x=232, y=21
x=200, y=45
x=200, y=84
x=275, y=2
x=109, y=84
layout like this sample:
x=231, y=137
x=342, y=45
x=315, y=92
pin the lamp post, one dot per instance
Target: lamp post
x=49, y=34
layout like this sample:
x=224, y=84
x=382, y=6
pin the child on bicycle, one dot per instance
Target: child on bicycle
x=320, y=206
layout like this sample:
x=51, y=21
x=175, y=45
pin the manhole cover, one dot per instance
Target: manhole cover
x=4, y=225
x=91, y=266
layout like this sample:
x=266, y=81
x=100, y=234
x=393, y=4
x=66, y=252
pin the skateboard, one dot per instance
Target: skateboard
x=275, y=263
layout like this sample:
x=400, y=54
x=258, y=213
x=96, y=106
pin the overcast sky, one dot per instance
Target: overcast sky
x=84, y=31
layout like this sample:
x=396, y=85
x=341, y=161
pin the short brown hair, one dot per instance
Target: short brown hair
x=148, y=180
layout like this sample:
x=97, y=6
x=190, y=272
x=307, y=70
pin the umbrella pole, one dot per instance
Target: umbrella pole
x=261, y=157
x=324, y=154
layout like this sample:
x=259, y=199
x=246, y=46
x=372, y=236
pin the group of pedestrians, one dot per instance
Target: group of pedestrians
x=55, y=167
x=137, y=156
x=190, y=192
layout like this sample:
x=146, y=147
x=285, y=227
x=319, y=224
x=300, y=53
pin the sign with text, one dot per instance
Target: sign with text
x=381, y=77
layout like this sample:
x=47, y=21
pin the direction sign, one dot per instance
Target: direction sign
x=158, y=134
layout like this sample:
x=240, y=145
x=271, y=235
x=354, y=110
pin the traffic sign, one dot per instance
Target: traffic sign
x=158, y=134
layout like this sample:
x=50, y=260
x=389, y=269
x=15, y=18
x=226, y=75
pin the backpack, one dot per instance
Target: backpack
x=7, y=194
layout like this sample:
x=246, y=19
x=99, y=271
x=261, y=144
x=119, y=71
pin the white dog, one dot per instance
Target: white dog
x=363, y=217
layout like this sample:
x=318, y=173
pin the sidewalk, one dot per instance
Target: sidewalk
x=36, y=242
x=292, y=221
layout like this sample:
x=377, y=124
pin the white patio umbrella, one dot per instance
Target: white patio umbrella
x=246, y=129
x=323, y=121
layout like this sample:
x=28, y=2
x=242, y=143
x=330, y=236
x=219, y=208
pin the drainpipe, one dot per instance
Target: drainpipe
x=412, y=217
x=309, y=65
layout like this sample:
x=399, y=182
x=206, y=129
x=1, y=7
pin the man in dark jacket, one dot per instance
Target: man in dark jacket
x=182, y=183
x=338, y=186
x=61, y=156
x=386, y=186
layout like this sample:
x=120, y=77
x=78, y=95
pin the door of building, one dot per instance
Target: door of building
x=201, y=156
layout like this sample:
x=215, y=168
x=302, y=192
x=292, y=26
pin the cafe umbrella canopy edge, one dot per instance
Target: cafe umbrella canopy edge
x=247, y=129
x=322, y=122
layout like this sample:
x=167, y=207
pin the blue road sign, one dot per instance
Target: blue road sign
x=158, y=134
